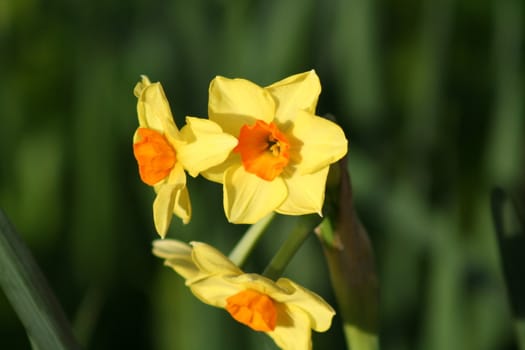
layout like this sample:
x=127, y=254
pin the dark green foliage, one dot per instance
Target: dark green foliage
x=430, y=94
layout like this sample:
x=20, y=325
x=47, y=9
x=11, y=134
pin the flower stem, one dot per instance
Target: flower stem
x=305, y=225
x=30, y=295
x=355, y=287
x=351, y=264
x=509, y=225
x=244, y=247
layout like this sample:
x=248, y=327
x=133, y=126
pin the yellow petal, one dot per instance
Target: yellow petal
x=214, y=290
x=216, y=173
x=177, y=255
x=235, y=102
x=212, y=261
x=258, y=283
x=154, y=111
x=141, y=85
x=298, y=92
x=163, y=208
x=182, y=205
x=207, y=145
x=323, y=142
x=248, y=198
x=170, y=248
x=172, y=198
x=305, y=193
x=319, y=311
x=293, y=329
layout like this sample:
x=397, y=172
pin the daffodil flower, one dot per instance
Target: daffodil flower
x=155, y=146
x=283, y=310
x=283, y=151
x=163, y=152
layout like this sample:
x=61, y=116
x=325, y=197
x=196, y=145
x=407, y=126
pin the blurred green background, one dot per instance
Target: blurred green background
x=430, y=94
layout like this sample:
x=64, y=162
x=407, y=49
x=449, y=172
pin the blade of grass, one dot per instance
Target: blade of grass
x=30, y=295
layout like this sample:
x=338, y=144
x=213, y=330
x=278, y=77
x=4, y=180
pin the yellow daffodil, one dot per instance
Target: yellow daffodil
x=283, y=151
x=162, y=153
x=155, y=146
x=284, y=310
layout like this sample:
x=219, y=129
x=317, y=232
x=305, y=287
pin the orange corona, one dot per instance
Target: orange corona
x=264, y=149
x=253, y=309
x=154, y=154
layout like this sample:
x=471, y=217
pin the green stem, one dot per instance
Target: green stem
x=351, y=264
x=30, y=295
x=355, y=292
x=244, y=247
x=303, y=228
x=510, y=234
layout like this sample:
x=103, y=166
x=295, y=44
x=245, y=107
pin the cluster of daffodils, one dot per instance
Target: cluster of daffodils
x=271, y=153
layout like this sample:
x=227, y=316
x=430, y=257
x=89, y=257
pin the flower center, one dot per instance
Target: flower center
x=253, y=309
x=155, y=155
x=263, y=149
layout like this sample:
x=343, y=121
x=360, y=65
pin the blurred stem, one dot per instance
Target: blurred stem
x=350, y=260
x=519, y=328
x=354, y=300
x=507, y=123
x=304, y=226
x=250, y=239
x=30, y=295
x=87, y=314
x=510, y=233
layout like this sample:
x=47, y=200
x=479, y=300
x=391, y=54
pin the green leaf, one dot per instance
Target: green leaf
x=30, y=295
